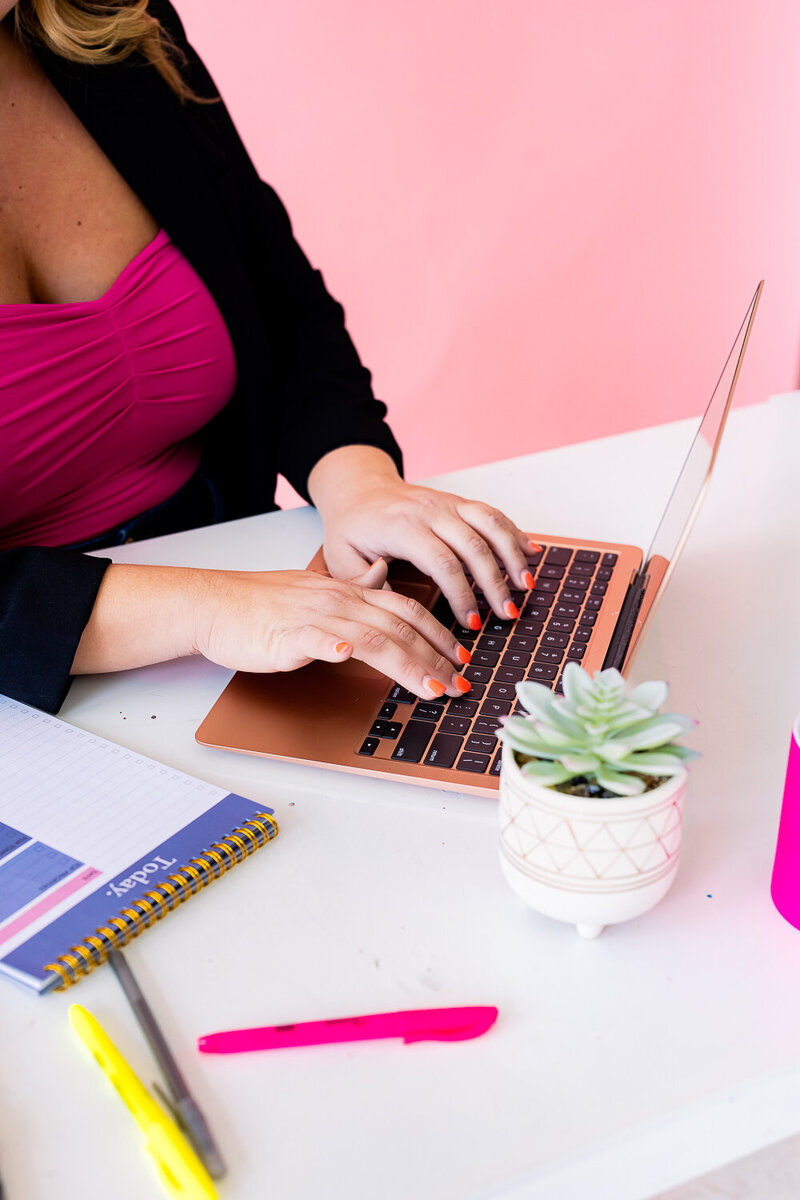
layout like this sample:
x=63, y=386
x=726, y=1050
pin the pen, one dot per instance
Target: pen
x=185, y=1107
x=413, y=1025
x=182, y=1173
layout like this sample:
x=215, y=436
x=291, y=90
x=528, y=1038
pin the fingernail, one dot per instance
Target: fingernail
x=511, y=610
x=528, y=579
x=473, y=620
x=462, y=684
x=433, y=685
x=342, y=647
x=463, y=654
x=535, y=547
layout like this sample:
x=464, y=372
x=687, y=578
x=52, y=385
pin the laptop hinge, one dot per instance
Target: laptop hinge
x=623, y=631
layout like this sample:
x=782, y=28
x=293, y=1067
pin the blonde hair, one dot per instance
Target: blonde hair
x=96, y=33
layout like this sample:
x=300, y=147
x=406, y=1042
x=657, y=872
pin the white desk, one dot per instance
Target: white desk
x=618, y=1067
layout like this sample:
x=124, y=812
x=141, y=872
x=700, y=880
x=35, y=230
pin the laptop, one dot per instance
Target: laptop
x=592, y=603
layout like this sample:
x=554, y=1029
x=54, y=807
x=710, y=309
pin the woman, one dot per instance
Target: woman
x=165, y=350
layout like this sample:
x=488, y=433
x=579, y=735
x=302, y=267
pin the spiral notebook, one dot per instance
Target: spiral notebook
x=98, y=843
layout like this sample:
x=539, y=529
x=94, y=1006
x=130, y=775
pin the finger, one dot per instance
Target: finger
x=479, y=557
x=432, y=555
x=307, y=642
x=374, y=576
x=344, y=561
x=425, y=623
x=508, y=543
x=388, y=644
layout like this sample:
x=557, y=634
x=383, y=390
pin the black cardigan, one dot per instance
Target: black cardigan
x=302, y=388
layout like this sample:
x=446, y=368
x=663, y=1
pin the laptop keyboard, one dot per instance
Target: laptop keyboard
x=555, y=625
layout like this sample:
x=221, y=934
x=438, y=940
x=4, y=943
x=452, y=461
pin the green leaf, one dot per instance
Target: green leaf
x=622, y=785
x=535, y=697
x=650, y=695
x=562, y=721
x=546, y=773
x=653, y=762
x=580, y=764
x=612, y=750
x=656, y=731
x=551, y=735
x=576, y=682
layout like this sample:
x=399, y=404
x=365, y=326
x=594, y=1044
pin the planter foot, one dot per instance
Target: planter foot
x=589, y=931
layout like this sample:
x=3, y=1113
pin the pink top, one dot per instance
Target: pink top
x=99, y=399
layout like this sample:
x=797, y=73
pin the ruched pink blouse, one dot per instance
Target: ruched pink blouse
x=100, y=399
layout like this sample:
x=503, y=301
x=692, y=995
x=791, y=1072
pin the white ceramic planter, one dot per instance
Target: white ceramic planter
x=591, y=862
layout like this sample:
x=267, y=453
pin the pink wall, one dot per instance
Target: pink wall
x=546, y=215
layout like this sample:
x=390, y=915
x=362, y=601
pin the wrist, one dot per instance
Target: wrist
x=342, y=474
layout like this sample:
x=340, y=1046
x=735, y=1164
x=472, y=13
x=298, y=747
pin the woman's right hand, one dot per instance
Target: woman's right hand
x=281, y=620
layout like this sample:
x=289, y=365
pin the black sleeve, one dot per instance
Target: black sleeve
x=326, y=391
x=46, y=599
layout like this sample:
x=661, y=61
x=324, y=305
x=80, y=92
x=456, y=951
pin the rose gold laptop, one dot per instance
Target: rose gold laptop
x=592, y=603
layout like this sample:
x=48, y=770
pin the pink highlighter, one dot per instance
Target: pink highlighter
x=414, y=1025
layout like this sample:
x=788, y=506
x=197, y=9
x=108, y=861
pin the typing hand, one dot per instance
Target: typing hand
x=369, y=511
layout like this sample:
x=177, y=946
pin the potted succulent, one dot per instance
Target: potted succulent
x=591, y=798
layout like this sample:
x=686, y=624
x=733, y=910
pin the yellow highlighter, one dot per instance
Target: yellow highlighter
x=181, y=1171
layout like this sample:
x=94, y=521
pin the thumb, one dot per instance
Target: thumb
x=374, y=576
x=345, y=562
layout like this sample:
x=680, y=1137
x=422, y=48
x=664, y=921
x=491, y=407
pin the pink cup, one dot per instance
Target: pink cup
x=786, y=872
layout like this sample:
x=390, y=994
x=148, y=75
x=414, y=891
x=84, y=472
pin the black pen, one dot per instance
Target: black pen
x=183, y=1104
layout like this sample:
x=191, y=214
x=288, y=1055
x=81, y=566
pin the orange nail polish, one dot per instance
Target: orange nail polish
x=474, y=621
x=341, y=647
x=534, y=547
x=433, y=685
x=462, y=684
x=528, y=580
x=511, y=610
x=463, y=654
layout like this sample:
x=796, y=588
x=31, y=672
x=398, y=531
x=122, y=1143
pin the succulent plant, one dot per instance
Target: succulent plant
x=598, y=730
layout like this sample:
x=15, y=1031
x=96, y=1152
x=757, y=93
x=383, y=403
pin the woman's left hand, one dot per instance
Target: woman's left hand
x=370, y=512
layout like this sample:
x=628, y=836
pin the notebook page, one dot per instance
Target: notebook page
x=75, y=811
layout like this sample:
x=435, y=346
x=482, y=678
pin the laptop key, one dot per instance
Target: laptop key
x=444, y=750
x=549, y=656
x=489, y=642
x=587, y=618
x=534, y=557
x=558, y=554
x=481, y=743
x=385, y=729
x=599, y=589
x=576, y=583
x=509, y=674
x=528, y=628
x=542, y=672
x=566, y=610
x=495, y=708
x=497, y=762
x=369, y=745
x=478, y=674
x=499, y=628
x=604, y=573
x=477, y=763
x=572, y=596
x=543, y=586
x=581, y=568
x=484, y=658
x=515, y=658
x=401, y=696
x=486, y=725
x=582, y=634
x=556, y=640
x=528, y=644
x=388, y=711
x=502, y=691
x=593, y=603
x=576, y=650
x=560, y=625
x=609, y=560
x=462, y=708
x=587, y=556
x=536, y=608
x=551, y=571
x=414, y=741
x=463, y=634
x=427, y=712
x=457, y=725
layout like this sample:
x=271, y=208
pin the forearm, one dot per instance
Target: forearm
x=142, y=615
x=346, y=470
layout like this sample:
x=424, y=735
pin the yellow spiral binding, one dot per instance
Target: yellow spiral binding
x=162, y=898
